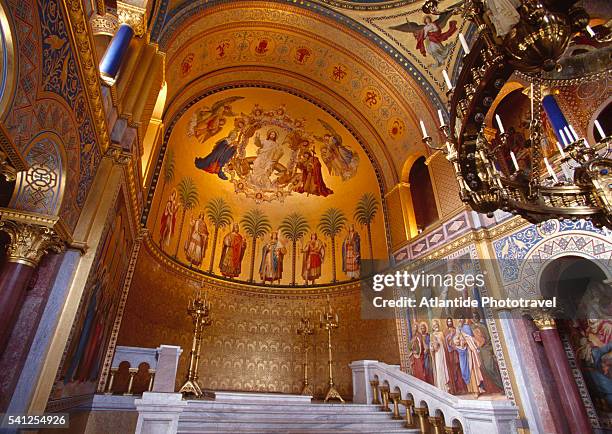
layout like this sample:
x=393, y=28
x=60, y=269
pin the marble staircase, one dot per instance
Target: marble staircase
x=249, y=416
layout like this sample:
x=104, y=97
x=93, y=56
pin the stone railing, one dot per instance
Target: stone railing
x=427, y=407
x=162, y=362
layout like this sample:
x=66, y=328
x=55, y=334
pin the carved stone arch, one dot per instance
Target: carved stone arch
x=586, y=245
x=41, y=188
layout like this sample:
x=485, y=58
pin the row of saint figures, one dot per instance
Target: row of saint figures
x=459, y=359
x=294, y=237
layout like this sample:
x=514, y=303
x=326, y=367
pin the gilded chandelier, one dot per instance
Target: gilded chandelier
x=576, y=185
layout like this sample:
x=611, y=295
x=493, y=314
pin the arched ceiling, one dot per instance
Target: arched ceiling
x=312, y=63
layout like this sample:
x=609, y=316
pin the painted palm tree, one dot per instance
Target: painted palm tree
x=256, y=224
x=220, y=215
x=188, y=197
x=330, y=225
x=167, y=177
x=365, y=211
x=294, y=227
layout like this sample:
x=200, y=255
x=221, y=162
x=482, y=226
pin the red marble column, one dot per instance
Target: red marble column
x=569, y=396
x=14, y=279
x=29, y=242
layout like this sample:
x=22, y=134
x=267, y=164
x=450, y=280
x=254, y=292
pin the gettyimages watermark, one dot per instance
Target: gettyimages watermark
x=456, y=288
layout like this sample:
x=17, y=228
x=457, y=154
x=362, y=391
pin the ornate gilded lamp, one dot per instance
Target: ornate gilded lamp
x=199, y=310
x=576, y=185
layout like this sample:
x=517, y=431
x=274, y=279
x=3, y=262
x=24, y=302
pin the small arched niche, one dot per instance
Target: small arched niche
x=577, y=283
x=423, y=198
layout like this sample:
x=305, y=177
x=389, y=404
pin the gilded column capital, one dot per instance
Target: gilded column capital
x=30, y=241
x=542, y=318
x=133, y=16
x=118, y=155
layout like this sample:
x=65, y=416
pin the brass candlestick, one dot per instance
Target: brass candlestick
x=199, y=310
x=329, y=321
x=305, y=329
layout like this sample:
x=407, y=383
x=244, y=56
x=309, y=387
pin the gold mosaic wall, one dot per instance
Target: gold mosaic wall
x=252, y=344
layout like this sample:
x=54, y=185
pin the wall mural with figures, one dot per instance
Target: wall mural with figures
x=261, y=186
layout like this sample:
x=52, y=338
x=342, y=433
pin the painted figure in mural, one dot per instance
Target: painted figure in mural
x=457, y=385
x=421, y=356
x=351, y=253
x=492, y=377
x=272, y=255
x=268, y=154
x=311, y=181
x=168, y=220
x=222, y=153
x=503, y=15
x=469, y=362
x=339, y=159
x=592, y=341
x=314, y=254
x=197, y=241
x=234, y=245
x=438, y=354
x=430, y=36
x=207, y=122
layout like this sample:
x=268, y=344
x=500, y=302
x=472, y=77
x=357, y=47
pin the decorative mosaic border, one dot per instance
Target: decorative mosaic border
x=167, y=22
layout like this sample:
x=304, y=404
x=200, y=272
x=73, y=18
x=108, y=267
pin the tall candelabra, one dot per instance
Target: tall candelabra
x=329, y=322
x=305, y=329
x=199, y=310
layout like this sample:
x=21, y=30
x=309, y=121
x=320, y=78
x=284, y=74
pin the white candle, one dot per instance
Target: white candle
x=599, y=129
x=447, y=79
x=551, y=172
x=561, y=150
x=574, y=132
x=499, y=124
x=441, y=118
x=423, y=128
x=514, y=162
x=464, y=44
x=568, y=134
x=563, y=139
x=590, y=31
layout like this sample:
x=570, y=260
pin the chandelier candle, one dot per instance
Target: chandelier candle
x=514, y=162
x=464, y=44
x=590, y=31
x=563, y=138
x=600, y=129
x=574, y=132
x=499, y=124
x=423, y=128
x=550, y=171
x=441, y=117
x=447, y=79
x=561, y=150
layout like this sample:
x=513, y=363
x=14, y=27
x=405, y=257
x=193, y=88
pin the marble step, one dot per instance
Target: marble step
x=284, y=407
x=274, y=426
x=188, y=416
x=302, y=431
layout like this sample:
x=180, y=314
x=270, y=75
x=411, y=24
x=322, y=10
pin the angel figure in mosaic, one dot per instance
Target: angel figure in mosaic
x=209, y=121
x=430, y=36
x=339, y=158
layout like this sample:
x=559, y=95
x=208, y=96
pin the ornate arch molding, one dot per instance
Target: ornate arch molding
x=169, y=22
x=588, y=245
x=8, y=62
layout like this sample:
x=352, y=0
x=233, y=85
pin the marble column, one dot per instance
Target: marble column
x=28, y=244
x=111, y=62
x=569, y=396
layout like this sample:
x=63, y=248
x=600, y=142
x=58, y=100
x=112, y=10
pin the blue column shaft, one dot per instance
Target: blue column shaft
x=555, y=115
x=109, y=66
